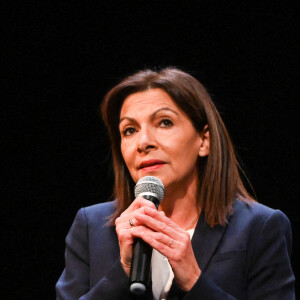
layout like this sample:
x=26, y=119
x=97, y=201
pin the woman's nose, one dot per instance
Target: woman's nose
x=146, y=141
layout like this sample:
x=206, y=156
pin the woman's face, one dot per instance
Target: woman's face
x=158, y=139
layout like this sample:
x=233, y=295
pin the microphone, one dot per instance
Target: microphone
x=152, y=189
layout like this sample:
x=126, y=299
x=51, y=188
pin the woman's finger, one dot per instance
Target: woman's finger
x=139, y=202
x=129, y=219
x=158, y=222
x=178, y=251
x=157, y=240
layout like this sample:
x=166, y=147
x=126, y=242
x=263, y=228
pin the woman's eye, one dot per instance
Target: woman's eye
x=128, y=131
x=166, y=123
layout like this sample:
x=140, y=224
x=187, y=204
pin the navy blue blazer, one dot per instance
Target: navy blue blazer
x=249, y=258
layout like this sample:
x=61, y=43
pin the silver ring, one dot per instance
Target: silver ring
x=171, y=243
x=130, y=222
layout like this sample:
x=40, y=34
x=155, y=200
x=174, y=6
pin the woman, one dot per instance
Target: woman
x=210, y=239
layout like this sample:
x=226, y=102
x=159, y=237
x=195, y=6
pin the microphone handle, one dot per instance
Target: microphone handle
x=140, y=267
x=141, y=261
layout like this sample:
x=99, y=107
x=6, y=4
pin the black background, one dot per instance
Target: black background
x=59, y=58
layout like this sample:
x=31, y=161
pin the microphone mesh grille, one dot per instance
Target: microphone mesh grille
x=150, y=184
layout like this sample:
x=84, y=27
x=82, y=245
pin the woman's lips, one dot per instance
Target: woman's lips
x=151, y=165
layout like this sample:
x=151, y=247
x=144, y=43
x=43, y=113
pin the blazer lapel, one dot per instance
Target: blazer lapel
x=205, y=241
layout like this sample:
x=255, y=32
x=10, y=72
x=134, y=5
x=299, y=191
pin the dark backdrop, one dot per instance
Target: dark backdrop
x=58, y=59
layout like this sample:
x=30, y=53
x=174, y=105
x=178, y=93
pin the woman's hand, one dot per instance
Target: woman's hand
x=162, y=234
x=123, y=229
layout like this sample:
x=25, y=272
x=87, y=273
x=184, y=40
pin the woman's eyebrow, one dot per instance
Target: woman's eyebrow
x=152, y=116
x=163, y=108
x=127, y=118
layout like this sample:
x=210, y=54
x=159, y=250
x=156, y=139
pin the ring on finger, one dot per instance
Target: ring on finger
x=131, y=223
x=171, y=243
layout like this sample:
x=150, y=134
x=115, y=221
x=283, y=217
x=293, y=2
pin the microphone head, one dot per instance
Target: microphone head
x=150, y=185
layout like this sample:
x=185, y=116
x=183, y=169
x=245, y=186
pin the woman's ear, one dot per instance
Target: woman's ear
x=205, y=142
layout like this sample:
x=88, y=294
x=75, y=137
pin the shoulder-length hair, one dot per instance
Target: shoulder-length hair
x=219, y=179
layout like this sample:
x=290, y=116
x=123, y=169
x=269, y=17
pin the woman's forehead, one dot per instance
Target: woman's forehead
x=152, y=98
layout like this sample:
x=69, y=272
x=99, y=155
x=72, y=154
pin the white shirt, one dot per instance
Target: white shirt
x=162, y=274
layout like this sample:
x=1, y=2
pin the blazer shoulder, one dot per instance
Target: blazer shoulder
x=101, y=208
x=257, y=211
x=257, y=214
x=99, y=212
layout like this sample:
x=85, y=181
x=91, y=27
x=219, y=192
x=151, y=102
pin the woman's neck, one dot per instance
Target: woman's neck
x=180, y=205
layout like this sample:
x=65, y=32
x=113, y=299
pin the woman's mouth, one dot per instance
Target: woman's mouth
x=151, y=165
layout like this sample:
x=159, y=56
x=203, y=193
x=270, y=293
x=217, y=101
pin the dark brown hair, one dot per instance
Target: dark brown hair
x=219, y=178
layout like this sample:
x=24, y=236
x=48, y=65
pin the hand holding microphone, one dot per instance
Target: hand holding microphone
x=135, y=253
x=141, y=228
x=152, y=189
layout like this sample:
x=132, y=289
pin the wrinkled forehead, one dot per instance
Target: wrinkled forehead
x=151, y=99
